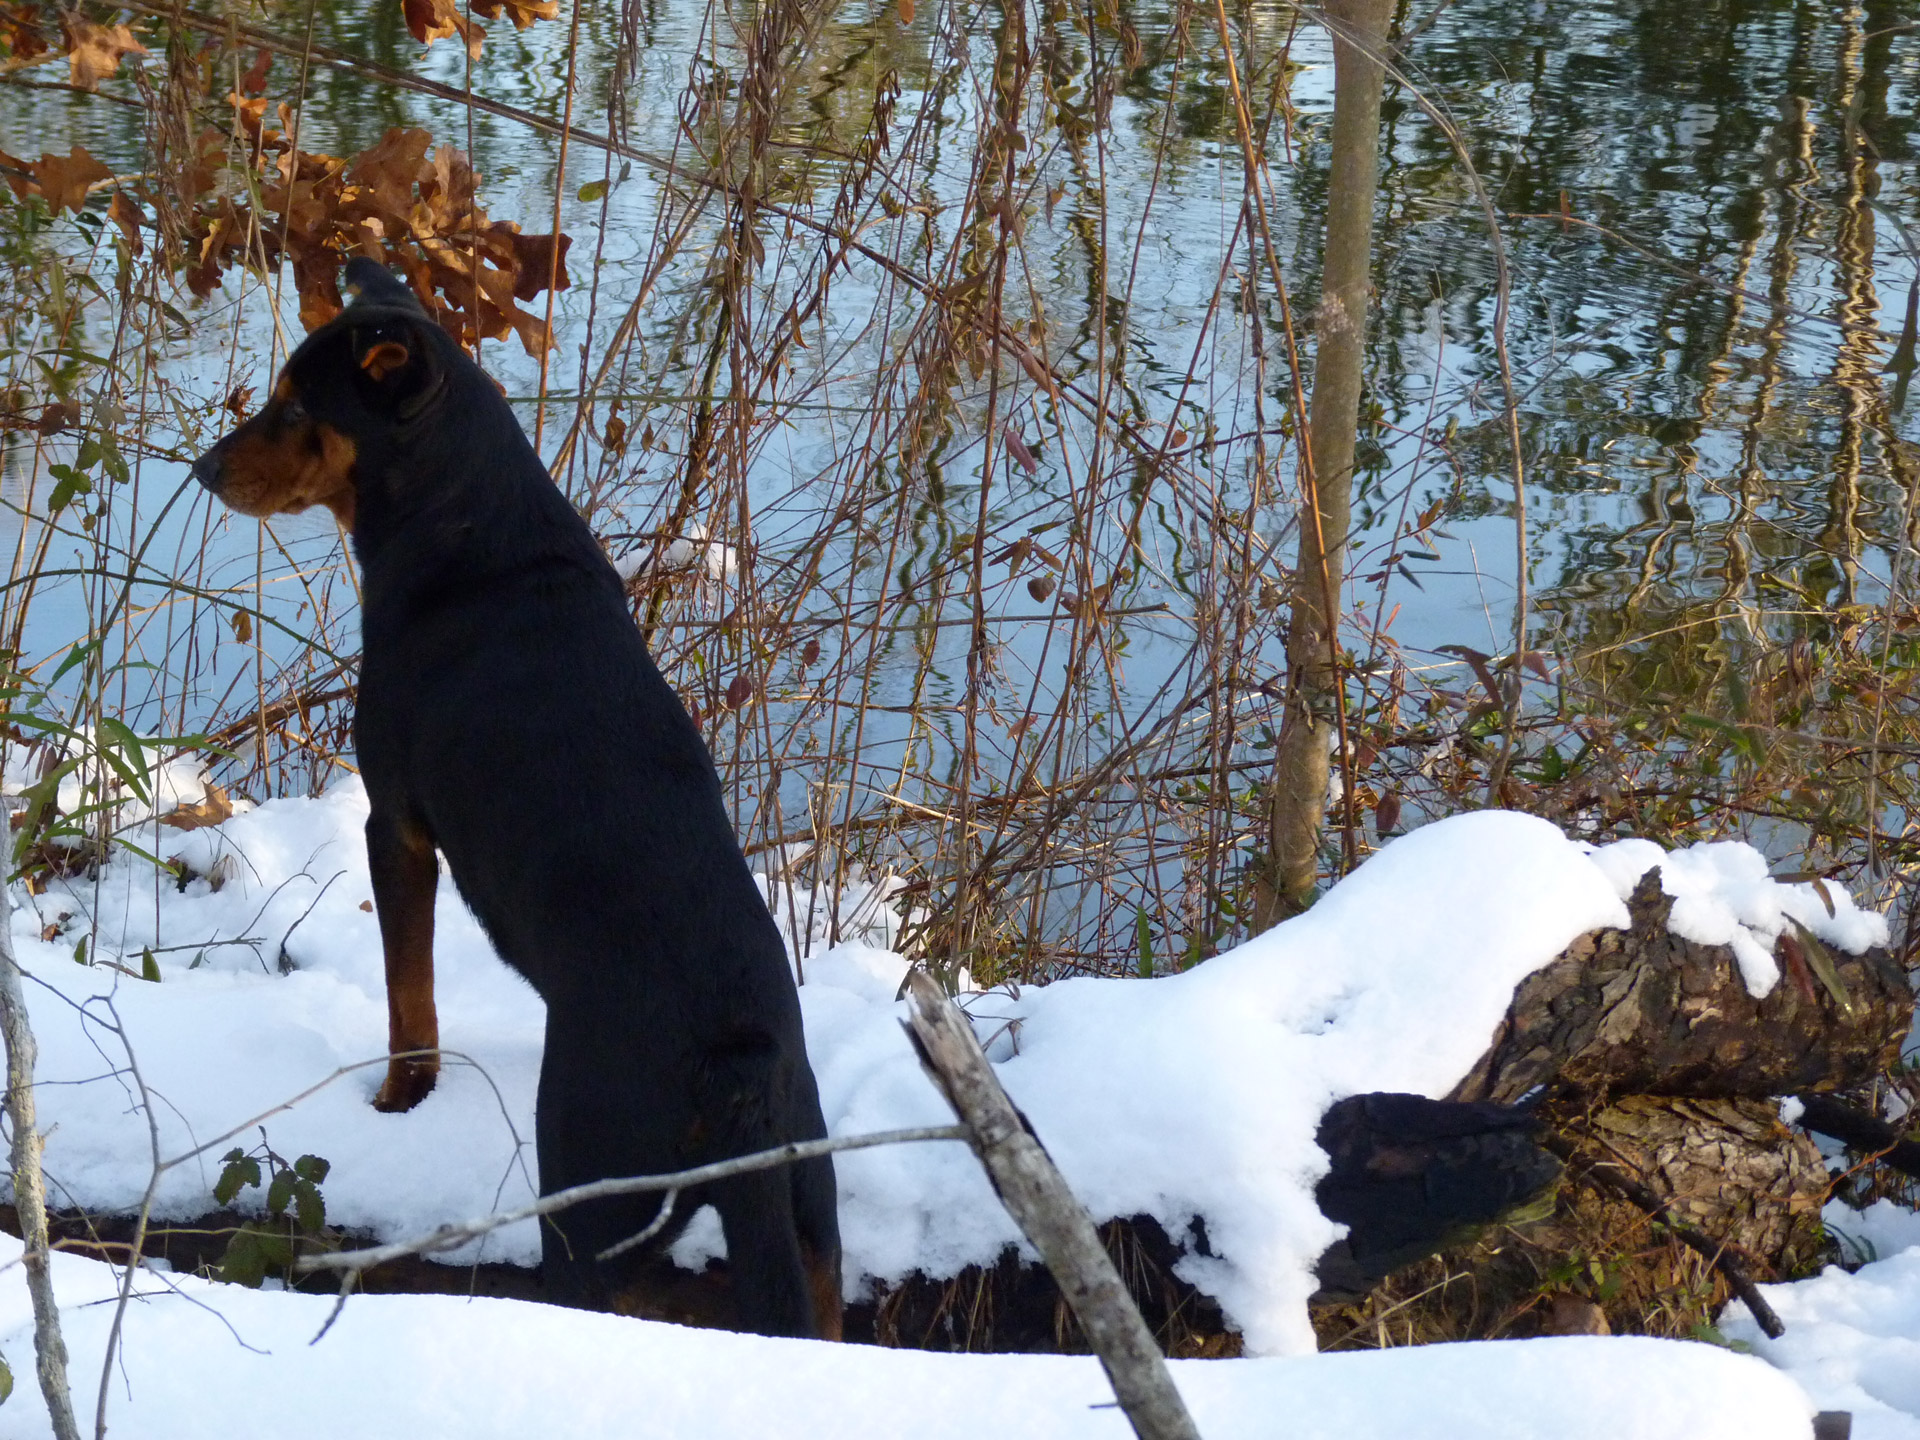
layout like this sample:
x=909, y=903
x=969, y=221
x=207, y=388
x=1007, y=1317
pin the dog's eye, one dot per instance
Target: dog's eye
x=292, y=411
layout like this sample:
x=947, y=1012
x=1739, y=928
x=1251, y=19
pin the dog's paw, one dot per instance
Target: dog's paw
x=408, y=1083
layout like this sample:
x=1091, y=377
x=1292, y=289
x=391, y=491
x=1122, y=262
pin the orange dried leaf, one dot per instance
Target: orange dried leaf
x=20, y=28
x=63, y=181
x=431, y=20
x=95, y=51
x=213, y=809
x=254, y=82
x=522, y=12
x=124, y=213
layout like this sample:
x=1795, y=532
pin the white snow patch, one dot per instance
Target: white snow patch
x=195, y=1356
x=1852, y=1341
x=1723, y=895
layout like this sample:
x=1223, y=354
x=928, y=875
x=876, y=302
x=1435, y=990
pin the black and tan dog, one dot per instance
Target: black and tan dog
x=499, y=659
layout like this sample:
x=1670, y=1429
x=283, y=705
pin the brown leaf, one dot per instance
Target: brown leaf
x=214, y=807
x=810, y=653
x=59, y=415
x=367, y=905
x=522, y=12
x=20, y=26
x=906, y=11
x=95, y=51
x=1796, y=968
x=254, y=82
x=62, y=181
x=1040, y=587
x=739, y=692
x=124, y=213
x=1018, y=449
x=431, y=20
x=1386, y=812
x=239, y=401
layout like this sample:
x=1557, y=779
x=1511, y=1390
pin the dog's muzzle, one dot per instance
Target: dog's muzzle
x=208, y=467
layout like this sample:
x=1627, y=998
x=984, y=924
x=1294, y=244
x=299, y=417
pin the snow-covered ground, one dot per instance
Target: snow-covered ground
x=1189, y=1095
x=193, y=1355
x=203, y=1359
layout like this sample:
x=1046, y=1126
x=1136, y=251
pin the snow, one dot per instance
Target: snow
x=714, y=559
x=1852, y=1341
x=1722, y=895
x=195, y=1355
x=1190, y=1097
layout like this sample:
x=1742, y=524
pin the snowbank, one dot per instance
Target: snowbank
x=198, y=1358
x=1853, y=1340
x=1190, y=1096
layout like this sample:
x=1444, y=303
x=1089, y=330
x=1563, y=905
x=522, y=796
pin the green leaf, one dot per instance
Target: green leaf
x=149, y=967
x=593, y=189
x=1143, y=942
x=241, y=1170
x=6, y=1382
x=312, y=1167
x=245, y=1262
x=127, y=755
x=280, y=1193
x=68, y=482
x=80, y=952
x=74, y=656
x=308, y=1207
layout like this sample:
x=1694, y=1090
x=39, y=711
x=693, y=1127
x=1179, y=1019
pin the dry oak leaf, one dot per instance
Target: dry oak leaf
x=431, y=20
x=61, y=180
x=213, y=808
x=20, y=28
x=522, y=12
x=124, y=213
x=94, y=51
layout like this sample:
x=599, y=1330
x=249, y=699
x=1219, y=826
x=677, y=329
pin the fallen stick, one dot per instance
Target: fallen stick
x=1037, y=1197
x=447, y=1236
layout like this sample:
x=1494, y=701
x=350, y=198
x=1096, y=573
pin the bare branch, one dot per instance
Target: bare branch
x=446, y=1237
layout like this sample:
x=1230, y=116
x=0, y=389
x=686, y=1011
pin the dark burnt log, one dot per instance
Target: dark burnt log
x=1642, y=1011
x=1411, y=1177
x=1860, y=1131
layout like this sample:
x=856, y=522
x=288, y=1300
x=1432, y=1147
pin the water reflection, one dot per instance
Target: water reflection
x=1718, y=460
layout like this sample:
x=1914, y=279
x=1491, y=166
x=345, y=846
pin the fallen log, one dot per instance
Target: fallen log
x=1642, y=1011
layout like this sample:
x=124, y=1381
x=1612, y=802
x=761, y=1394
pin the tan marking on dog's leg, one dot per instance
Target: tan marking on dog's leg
x=405, y=878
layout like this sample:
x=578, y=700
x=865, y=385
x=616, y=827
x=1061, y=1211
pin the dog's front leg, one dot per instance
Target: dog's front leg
x=405, y=875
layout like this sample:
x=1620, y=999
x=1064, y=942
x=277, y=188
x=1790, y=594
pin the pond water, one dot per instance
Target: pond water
x=1708, y=213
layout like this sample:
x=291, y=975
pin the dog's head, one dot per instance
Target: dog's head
x=360, y=384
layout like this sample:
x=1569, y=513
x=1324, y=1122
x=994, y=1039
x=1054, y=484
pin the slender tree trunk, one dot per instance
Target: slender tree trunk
x=1297, y=799
x=29, y=1193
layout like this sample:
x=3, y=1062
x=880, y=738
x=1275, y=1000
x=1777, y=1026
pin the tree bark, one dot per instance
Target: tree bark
x=1643, y=1012
x=1297, y=798
x=29, y=1192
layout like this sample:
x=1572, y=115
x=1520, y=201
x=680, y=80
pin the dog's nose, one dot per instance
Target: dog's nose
x=207, y=468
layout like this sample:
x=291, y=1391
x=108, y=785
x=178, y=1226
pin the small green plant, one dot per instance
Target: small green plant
x=296, y=1218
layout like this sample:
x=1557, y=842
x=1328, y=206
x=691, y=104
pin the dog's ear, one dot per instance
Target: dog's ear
x=368, y=283
x=394, y=355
